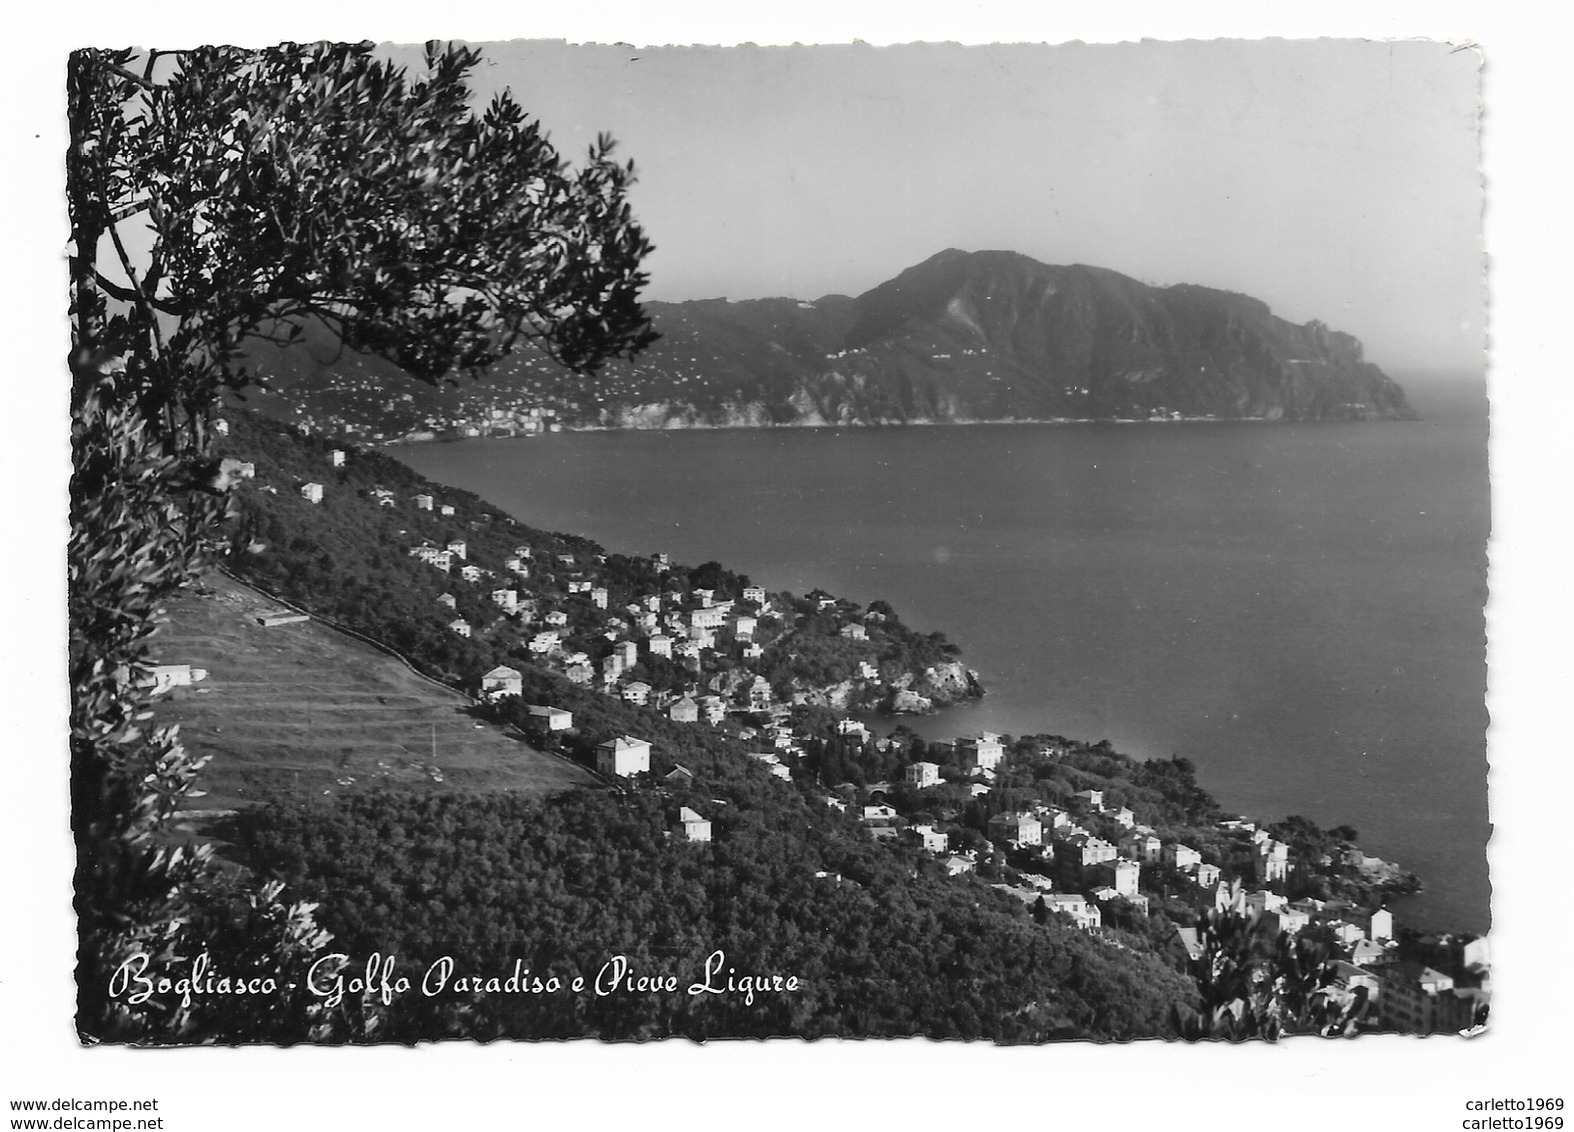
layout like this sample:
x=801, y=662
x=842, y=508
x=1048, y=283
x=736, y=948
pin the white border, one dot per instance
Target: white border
x=1405, y=1082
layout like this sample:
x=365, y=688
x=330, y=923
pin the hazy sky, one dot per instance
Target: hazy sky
x=1335, y=179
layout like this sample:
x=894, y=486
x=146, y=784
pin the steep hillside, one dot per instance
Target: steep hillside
x=460, y=588
x=960, y=337
x=303, y=707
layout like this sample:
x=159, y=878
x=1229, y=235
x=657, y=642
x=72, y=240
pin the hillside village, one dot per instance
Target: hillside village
x=1131, y=854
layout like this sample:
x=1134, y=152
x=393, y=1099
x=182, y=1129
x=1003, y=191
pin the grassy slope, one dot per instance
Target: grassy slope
x=305, y=706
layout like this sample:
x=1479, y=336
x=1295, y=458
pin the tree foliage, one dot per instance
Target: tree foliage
x=1256, y=983
x=217, y=194
x=884, y=944
x=322, y=181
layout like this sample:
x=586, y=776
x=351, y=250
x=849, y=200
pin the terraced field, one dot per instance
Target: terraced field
x=304, y=707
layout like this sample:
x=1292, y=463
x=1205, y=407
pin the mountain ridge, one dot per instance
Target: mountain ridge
x=961, y=337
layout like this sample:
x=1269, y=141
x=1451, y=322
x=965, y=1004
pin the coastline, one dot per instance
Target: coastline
x=426, y=437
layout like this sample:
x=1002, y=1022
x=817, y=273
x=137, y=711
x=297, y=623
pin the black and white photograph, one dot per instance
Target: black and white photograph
x=579, y=545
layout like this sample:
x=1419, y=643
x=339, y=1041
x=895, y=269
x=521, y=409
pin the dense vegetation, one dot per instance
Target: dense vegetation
x=882, y=943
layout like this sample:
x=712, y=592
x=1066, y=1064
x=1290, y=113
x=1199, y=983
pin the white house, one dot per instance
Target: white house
x=1089, y=850
x=1086, y=916
x=545, y=642
x=1368, y=953
x=756, y=594
x=1262, y=902
x=502, y=681
x=1272, y=861
x=1142, y=846
x=853, y=632
x=470, y=573
x=598, y=597
x=1182, y=857
x=555, y=719
x=637, y=693
x=312, y=492
x=922, y=775
x=423, y=502
x=1121, y=875
x=624, y=756
x=773, y=763
x=692, y=827
x=1024, y=829
x=1286, y=919
x=685, y=710
x=660, y=645
x=457, y=548
x=1378, y=925
x=508, y=599
x=744, y=627
x=448, y=600
x=1092, y=799
x=460, y=626
x=980, y=752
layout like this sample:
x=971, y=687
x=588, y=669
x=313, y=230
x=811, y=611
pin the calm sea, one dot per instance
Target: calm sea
x=1295, y=608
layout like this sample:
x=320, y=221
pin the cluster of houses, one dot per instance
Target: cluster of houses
x=687, y=626
x=666, y=624
x=548, y=603
x=1110, y=849
x=1408, y=995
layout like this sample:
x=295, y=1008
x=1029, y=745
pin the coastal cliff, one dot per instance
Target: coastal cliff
x=938, y=686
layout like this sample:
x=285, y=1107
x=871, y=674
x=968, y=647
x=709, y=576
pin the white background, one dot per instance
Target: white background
x=1393, y=1082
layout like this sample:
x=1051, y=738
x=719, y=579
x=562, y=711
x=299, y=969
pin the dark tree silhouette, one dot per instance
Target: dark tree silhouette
x=217, y=194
